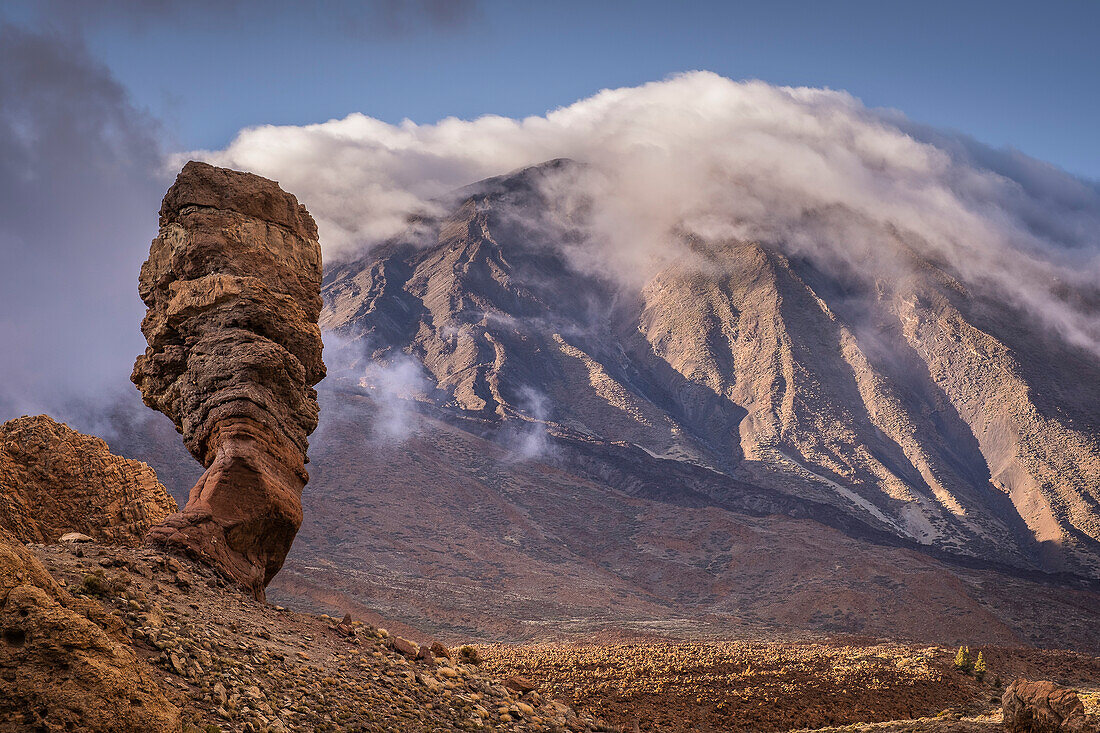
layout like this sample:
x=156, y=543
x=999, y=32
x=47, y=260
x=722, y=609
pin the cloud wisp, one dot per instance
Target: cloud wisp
x=813, y=171
x=80, y=178
x=394, y=384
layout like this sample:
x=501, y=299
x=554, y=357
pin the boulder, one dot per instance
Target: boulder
x=1044, y=707
x=408, y=648
x=58, y=484
x=520, y=684
x=233, y=290
x=346, y=627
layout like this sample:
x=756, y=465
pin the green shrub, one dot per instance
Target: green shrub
x=96, y=584
x=469, y=654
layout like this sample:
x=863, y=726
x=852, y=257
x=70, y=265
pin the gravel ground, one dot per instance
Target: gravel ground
x=235, y=664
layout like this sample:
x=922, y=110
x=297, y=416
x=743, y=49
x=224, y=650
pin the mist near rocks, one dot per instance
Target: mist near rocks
x=394, y=385
x=812, y=171
x=81, y=176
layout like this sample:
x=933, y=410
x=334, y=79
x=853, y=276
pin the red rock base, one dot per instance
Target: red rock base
x=243, y=513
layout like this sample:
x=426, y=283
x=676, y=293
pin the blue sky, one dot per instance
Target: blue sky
x=1020, y=74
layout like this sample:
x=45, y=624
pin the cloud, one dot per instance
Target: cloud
x=812, y=170
x=79, y=188
x=528, y=439
x=394, y=382
x=375, y=19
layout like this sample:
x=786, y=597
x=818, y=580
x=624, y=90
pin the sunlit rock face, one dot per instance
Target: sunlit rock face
x=232, y=286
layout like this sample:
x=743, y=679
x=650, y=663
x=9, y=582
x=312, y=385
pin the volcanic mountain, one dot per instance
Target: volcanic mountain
x=741, y=434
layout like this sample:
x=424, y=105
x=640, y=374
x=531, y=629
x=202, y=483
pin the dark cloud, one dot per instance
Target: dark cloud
x=371, y=18
x=81, y=174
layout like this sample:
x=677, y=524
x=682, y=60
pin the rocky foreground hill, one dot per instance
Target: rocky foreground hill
x=130, y=639
x=190, y=653
x=96, y=635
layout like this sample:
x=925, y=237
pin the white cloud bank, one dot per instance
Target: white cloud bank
x=811, y=169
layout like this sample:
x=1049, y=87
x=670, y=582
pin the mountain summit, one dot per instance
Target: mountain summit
x=900, y=401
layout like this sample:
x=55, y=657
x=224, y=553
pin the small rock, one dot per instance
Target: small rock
x=220, y=697
x=345, y=627
x=520, y=684
x=404, y=646
x=75, y=537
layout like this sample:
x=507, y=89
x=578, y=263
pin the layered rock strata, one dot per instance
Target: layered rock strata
x=232, y=286
x=54, y=480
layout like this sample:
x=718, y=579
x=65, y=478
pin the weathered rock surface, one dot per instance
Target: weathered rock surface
x=232, y=285
x=1044, y=707
x=59, y=671
x=55, y=481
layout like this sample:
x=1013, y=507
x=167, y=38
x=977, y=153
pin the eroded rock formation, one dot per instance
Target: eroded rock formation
x=55, y=480
x=232, y=285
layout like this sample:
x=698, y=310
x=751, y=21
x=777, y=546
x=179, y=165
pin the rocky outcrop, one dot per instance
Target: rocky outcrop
x=232, y=286
x=54, y=480
x=59, y=671
x=1044, y=707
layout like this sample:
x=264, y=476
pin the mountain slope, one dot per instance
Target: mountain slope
x=917, y=405
x=454, y=532
x=518, y=442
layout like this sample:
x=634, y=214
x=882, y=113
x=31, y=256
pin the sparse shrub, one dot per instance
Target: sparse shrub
x=979, y=667
x=963, y=662
x=98, y=583
x=95, y=584
x=469, y=654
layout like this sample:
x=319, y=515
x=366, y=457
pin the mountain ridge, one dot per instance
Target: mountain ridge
x=888, y=409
